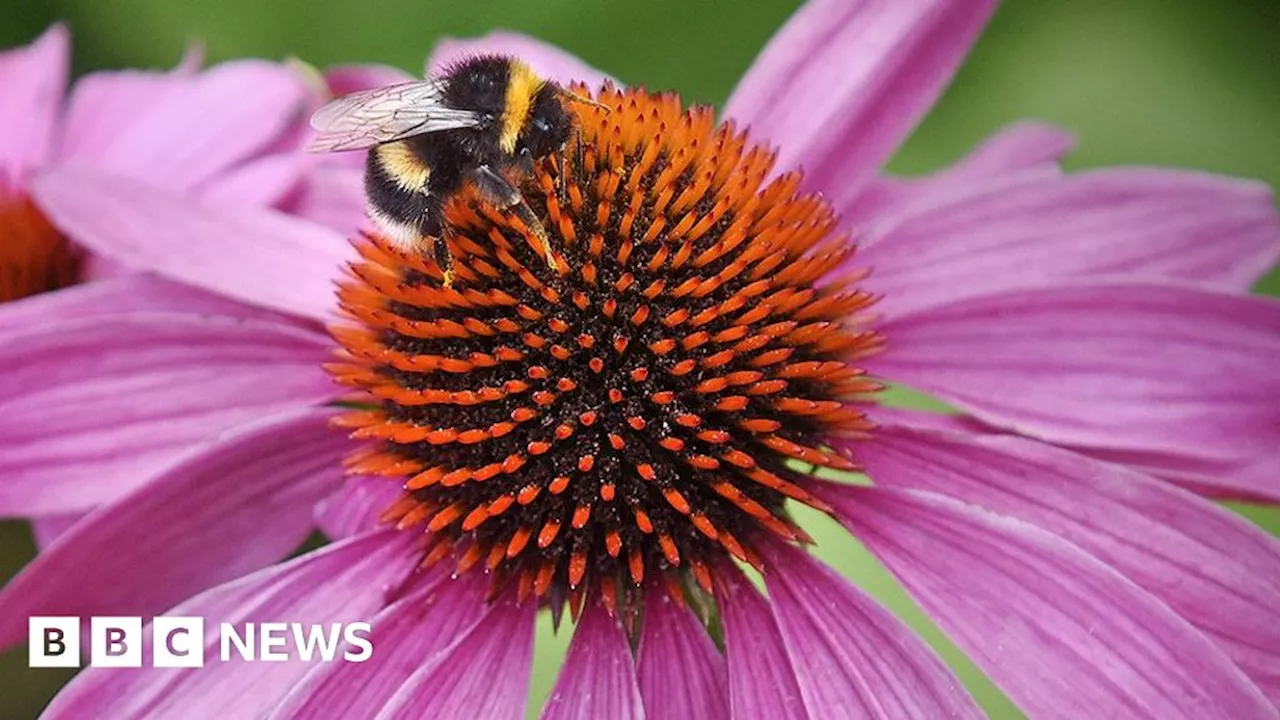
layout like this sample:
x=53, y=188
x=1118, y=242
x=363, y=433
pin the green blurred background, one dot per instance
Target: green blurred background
x=1193, y=83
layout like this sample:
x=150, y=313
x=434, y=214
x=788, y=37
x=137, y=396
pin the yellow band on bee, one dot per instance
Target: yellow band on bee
x=404, y=166
x=522, y=84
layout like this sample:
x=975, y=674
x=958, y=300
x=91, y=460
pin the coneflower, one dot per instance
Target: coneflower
x=624, y=432
x=635, y=411
x=189, y=130
x=229, y=135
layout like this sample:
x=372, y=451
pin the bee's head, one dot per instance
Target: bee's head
x=549, y=124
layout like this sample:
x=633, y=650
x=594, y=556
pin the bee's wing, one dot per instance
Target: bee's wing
x=373, y=117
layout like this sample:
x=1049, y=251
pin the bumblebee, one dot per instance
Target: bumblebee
x=486, y=121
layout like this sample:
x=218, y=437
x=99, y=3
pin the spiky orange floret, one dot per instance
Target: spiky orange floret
x=635, y=405
x=34, y=256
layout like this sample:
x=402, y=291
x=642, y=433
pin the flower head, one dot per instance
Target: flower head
x=34, y=257
x=704, y=340
x=229, y=137
x=634, y=410
x=226, y=135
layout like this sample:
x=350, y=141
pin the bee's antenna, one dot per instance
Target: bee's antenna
x=579, y=98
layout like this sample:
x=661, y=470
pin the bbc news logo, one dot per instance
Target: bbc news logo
x=179, y=642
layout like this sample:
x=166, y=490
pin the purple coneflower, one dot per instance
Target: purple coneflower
x=622, y=435
x=219, y=135
x=229, y=136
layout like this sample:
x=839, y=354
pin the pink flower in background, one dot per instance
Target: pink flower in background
x=215, y=134
x=219, y=135
x=1094, y=330
x=230, y=136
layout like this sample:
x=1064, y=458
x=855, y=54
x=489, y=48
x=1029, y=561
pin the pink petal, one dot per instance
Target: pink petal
x=90, y=409
x=344, y=582
x=1134, y=367
x=104, y=105
x=332, y=195
x=762, y=682
x=485, y=674
x=345, y=79
x=1018, y=148
x=1250, y=480
x=1247, y=481
x=357, y=506
x=419, y=627
x=114, y=296
x=1257, y=481
x=32, y=80
x=547, y=59
x=97, y=267
x=843, y=83
x=262, y=182
x=237, y=505
x=1063, y=635
x=852, y=657
x=207, y=124
x=598, y=679
x=47, y=529
x=1022, y=145
x=1215, y=569
x=257, y=256
x=1156, y=224
x=681, y=674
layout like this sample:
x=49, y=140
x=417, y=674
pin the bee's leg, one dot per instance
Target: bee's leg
x=436, y=233
x=567, y=167
x=564, y=167
x=495, y=188
x=562, y=192
x=525, y=161
x=444, y=258
x=498, y=191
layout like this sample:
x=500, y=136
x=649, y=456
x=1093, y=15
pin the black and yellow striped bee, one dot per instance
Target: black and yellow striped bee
x=485, y=121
